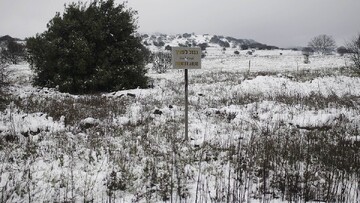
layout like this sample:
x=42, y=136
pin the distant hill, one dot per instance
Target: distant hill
x=205, y=40
x=162, y=40
x=7, y=38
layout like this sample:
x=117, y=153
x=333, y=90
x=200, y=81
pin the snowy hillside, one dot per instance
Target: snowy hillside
x=264, y=127
x=156, y=41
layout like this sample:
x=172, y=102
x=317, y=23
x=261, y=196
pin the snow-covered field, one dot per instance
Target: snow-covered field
x=263, y=128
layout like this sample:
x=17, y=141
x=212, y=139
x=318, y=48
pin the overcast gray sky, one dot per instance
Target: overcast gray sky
x=276, y=22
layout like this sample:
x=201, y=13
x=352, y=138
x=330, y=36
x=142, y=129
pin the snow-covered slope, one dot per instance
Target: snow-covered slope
x=263, y=128
x=162, y=40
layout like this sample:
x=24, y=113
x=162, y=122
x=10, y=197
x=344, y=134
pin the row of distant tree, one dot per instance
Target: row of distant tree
x=326, y=44
x=323, y=44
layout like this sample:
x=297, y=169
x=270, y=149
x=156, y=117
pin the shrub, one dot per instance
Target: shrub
x=161, y=62
x=193, y=43
x=236, y=52
x=354, y=48
x=342, y=50
x=159, y=43
x=12, y=51
x=217, y=40
x=89, y=49
x=186, y=35
x=168, y=48
x=3, y=82
x=244, y=47
x=146, y=43
x=203, y=46
x=225, y=44
x=307, y=51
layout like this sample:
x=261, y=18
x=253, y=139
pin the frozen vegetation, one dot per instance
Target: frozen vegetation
x=263, y=128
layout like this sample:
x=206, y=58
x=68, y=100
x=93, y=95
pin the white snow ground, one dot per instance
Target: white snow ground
x=51, y=174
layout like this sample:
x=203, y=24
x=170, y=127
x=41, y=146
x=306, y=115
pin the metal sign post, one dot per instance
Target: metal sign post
x=186, y=106
x=186, y=58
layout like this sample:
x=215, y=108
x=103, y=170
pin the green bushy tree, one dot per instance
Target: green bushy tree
x=90, y=48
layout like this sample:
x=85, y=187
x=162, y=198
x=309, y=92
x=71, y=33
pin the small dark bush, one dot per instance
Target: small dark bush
x=186, y=35
x=159, y=43
x=342, y=50
x=217, y=40
x=307, y=51
x=244, y=47
x=168, y=48
x=203, y=46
